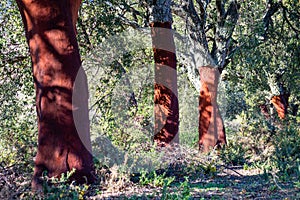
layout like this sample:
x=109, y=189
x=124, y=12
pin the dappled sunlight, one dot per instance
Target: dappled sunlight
x=94, y=110
x=211, y=128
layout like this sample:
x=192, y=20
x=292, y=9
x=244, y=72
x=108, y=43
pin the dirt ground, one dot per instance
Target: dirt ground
x=227, y=183
x=230, y=183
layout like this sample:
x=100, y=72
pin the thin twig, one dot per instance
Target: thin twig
x=231, y=170
x=274, y=179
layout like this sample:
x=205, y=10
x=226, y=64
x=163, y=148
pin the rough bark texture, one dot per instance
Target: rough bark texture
x=61, y=89
x=160, y=10
x=165, y=90
x=211, y=128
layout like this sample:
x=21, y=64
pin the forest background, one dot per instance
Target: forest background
x=262, y=158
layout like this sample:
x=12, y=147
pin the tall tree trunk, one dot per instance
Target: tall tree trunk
x=211, y=128
x=165, y=90
x=61, y=89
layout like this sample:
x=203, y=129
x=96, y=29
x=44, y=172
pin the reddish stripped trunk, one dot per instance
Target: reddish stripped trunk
x=165, y=95
x=280, y=103
x=61, y=102
x=211, y=128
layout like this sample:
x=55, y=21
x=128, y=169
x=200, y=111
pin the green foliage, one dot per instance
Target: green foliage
x=97, y=21
x=183, y=192
x=188, y=111
x=123, y=100
x=263, y=61
x=60, y=188
x=267, y=58
x=17, y=115
x=274, y=150
x=287, y=151
x=155, y=180
x=234, y=153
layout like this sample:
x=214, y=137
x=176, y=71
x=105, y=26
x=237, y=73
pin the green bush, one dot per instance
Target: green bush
x=287, y=151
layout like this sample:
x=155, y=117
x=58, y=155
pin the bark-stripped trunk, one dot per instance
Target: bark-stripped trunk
x=165, y=90
x=279, y=93
x=211, y=128
x=61, y=89
x=280, y=103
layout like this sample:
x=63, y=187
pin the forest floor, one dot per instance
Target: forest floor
x=242, y=170
x=232, y=182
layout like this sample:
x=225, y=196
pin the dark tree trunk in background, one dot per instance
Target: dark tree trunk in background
x=211, y=128
x=61, y=89
x=165, y=90
x=265, y=111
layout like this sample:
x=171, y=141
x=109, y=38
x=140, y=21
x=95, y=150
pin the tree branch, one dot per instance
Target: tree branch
x=227, y=21
x=285, y=10
x=126, y=21
x=267, y=19
x=197, y=28
x=221, y=11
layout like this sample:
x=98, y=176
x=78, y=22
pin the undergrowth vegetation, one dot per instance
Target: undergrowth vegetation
x=262, y=156
x=180, y=172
